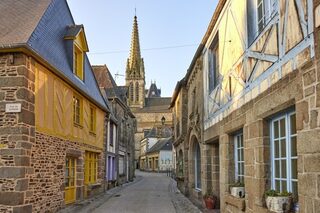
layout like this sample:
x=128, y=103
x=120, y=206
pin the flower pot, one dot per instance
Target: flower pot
x=237, y=191
x=210, y=202
x=278, y=204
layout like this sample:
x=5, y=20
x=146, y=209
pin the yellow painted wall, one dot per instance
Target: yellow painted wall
x=54, y=107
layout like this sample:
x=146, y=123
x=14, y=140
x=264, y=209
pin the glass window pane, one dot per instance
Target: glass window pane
x=277, y=169
x=277, y=185
x=295, y=188
x=276, y=129
x=294, y=169
x=284, y=169
x=282, y=128
x=242, y=168
x=293, y=146
x=283, y=148
x=276, y=149
x=239, y=154
x=293, y=124
x=283, y=186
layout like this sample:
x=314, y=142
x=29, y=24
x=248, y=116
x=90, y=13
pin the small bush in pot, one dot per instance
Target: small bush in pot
x=279, y=202
x=209, y=200
x=237, y=189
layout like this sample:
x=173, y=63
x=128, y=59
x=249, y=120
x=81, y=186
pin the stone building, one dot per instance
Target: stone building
x=147, y=105
x=260, y=122
x=121, y=128
x=51, y=110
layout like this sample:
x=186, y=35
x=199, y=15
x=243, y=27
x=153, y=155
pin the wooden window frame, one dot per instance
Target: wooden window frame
x=78, y=62
x=77, y=111
x=91, y=167
x=213, y=68
x=92, y=119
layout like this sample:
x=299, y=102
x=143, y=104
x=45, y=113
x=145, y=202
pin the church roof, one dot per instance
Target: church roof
x=153, y=91
x=162, y=144
x=40, y=27
x=154, y=105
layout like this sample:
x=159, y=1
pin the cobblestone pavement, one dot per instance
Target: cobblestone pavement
x=150, y=192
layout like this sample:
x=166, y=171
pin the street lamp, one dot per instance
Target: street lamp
x=163, y=120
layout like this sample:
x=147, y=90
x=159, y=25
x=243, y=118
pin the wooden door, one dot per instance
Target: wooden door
x=70, y=180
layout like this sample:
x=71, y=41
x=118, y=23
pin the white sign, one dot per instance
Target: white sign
x=13, y=107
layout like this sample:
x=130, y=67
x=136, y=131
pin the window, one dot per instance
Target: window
x=197, y=163
x=92, y=119
x=239, y=158
x=213, y=73
x=284, y=153
x=78, y=62
x=77, y=110
x=91, y=167
x=111, y=134
x=137, y=91
x=131, y=91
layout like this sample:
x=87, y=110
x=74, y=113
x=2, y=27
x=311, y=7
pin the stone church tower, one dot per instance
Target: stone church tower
x=135, y=76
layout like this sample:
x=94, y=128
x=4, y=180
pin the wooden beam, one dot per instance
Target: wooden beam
x=303, y=23
x=262, y=56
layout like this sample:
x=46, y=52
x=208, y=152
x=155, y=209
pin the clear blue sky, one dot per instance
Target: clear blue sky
x=162, y=23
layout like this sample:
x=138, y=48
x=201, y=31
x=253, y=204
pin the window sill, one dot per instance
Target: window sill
x=92, y=133
x=236, y=202
x=78, y=125
x=92, y=186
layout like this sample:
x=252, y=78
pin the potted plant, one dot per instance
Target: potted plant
x=209, y=200
x=279, y=202
x=237, y=189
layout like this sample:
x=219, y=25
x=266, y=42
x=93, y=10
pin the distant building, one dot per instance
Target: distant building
x=156, y=150
x=146, y=104
x=52, y=113
x=121, y=129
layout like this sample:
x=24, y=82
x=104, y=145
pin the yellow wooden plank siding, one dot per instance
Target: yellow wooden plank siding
x=55, y=110
x=70, y=180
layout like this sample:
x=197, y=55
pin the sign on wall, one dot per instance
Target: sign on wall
x=16, y=107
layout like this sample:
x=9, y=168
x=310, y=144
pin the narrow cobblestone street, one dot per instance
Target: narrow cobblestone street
x=151, y=192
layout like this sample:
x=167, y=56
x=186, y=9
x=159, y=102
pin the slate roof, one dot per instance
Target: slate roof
x=40, y=26
x=162, y=144
x=108, y=84
x=153, y=91
x=154, y=105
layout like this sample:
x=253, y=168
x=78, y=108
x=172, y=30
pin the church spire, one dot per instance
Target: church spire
x=135, y=55
x=135, y=77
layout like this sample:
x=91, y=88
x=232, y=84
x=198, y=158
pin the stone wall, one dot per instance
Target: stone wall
x=17, y=131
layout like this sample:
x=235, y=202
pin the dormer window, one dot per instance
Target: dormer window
x=78, y=62
x=77, y=46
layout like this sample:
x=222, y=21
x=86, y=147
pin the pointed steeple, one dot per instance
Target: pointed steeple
x=135, y=55
x=135, y=77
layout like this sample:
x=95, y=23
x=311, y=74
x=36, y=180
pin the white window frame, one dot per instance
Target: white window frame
x=288, y=136
x=267, y=10
x=238, y=138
